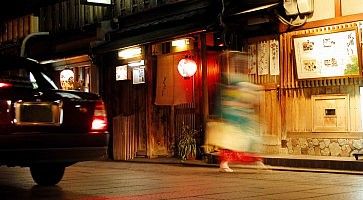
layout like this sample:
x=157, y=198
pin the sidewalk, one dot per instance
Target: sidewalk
x=322, y=164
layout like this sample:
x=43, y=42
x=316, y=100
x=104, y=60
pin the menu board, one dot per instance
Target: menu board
x=121, y=72
x=138, y=75
x=327, y=55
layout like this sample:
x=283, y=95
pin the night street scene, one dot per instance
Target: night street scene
x=181, y=99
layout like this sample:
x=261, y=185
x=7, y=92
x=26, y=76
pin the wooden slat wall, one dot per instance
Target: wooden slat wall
x=184, y=115
x=18, y=28
x=117, y=5
x=70, y=15
x=139, y=98
x=126, y=7
x=298, y=107
x=270, y=109
x=296, y=94
x=355, y=118
x=265, y=79
x=270, y=117
x=124, y=139
x=130, y=101
x=162, y=132
x=213, y=76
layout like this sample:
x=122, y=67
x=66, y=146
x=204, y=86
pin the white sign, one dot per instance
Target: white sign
x=274, y=58
x=121, y=73
x=108, y=2
x=327, y=55
x=138, y=74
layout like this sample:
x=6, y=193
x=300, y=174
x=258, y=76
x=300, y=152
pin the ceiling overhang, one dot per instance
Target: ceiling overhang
x=251, y=17
x=161, y=23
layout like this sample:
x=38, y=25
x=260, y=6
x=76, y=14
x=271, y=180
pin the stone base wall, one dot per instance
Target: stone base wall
x=324, y=147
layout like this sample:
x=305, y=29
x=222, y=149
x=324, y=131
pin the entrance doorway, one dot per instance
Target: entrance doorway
x=128, y=103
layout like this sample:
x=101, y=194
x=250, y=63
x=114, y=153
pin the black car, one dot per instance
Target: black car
x=45, y=128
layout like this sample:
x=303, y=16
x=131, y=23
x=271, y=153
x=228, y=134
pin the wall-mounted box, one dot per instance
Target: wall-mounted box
x=330, y=113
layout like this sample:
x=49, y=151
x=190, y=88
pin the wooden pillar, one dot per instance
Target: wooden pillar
x=205, y=104
x=149, y=68
x=338, y=8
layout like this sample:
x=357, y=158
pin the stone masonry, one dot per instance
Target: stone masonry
x=324, y=146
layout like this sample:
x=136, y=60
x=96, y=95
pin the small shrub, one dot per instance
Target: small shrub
x=187, y=144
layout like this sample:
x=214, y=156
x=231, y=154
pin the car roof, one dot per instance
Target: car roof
x=13, y=62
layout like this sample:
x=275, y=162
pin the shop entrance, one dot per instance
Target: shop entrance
x=74, y=73
x=128, y=102
x=129, y=124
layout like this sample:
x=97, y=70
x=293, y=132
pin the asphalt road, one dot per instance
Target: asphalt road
x=127, y=180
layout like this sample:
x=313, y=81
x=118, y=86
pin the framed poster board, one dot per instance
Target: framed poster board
x=121, y=72
x=138, y=74
x=332, y=54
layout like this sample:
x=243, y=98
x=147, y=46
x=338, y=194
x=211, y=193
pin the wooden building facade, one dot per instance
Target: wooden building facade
x=303, y=111
x=60, y=34
x=322, y=116
x=301, y=116
x=142, y=125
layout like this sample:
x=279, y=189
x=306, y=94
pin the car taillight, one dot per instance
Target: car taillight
x=5, y=85
x=99, y=121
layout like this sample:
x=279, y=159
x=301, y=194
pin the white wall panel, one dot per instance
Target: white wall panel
x=323, y=9
x=350, y=7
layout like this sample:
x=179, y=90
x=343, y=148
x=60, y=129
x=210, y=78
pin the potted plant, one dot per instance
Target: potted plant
x=187, y=144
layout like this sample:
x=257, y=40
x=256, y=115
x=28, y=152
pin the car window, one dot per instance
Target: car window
x=33, y=81
x=49, y=80
x=17, y=77
x=20, y=77
x=14, y=74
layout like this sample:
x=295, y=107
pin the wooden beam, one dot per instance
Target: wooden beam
x=325, y=22
x=338, y=8
x=262, y=38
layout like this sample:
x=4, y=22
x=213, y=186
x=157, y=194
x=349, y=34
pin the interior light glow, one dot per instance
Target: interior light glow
x=47, y=61
x=180, y=42
x=257, y=9
x=67, y=79
x=107, y=2
x=66, y=75
x=187, y=67
x=129, y=53
x=136, y=64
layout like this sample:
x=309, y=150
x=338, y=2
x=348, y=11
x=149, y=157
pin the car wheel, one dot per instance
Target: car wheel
x=47, y=175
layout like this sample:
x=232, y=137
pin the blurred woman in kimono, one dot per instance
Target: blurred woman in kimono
x=236, y=132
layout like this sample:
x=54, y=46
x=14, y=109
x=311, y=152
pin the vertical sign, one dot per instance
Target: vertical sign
x=121, y=73
x=138, y=75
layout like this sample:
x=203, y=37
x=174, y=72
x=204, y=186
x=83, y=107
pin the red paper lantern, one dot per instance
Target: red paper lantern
x=187, y=67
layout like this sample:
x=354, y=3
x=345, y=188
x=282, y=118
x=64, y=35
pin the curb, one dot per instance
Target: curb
x=276, y=168
x=271, y=163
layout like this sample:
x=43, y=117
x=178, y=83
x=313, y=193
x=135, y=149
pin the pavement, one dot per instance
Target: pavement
x=320, y=164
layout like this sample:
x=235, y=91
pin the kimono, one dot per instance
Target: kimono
x=236, y=133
